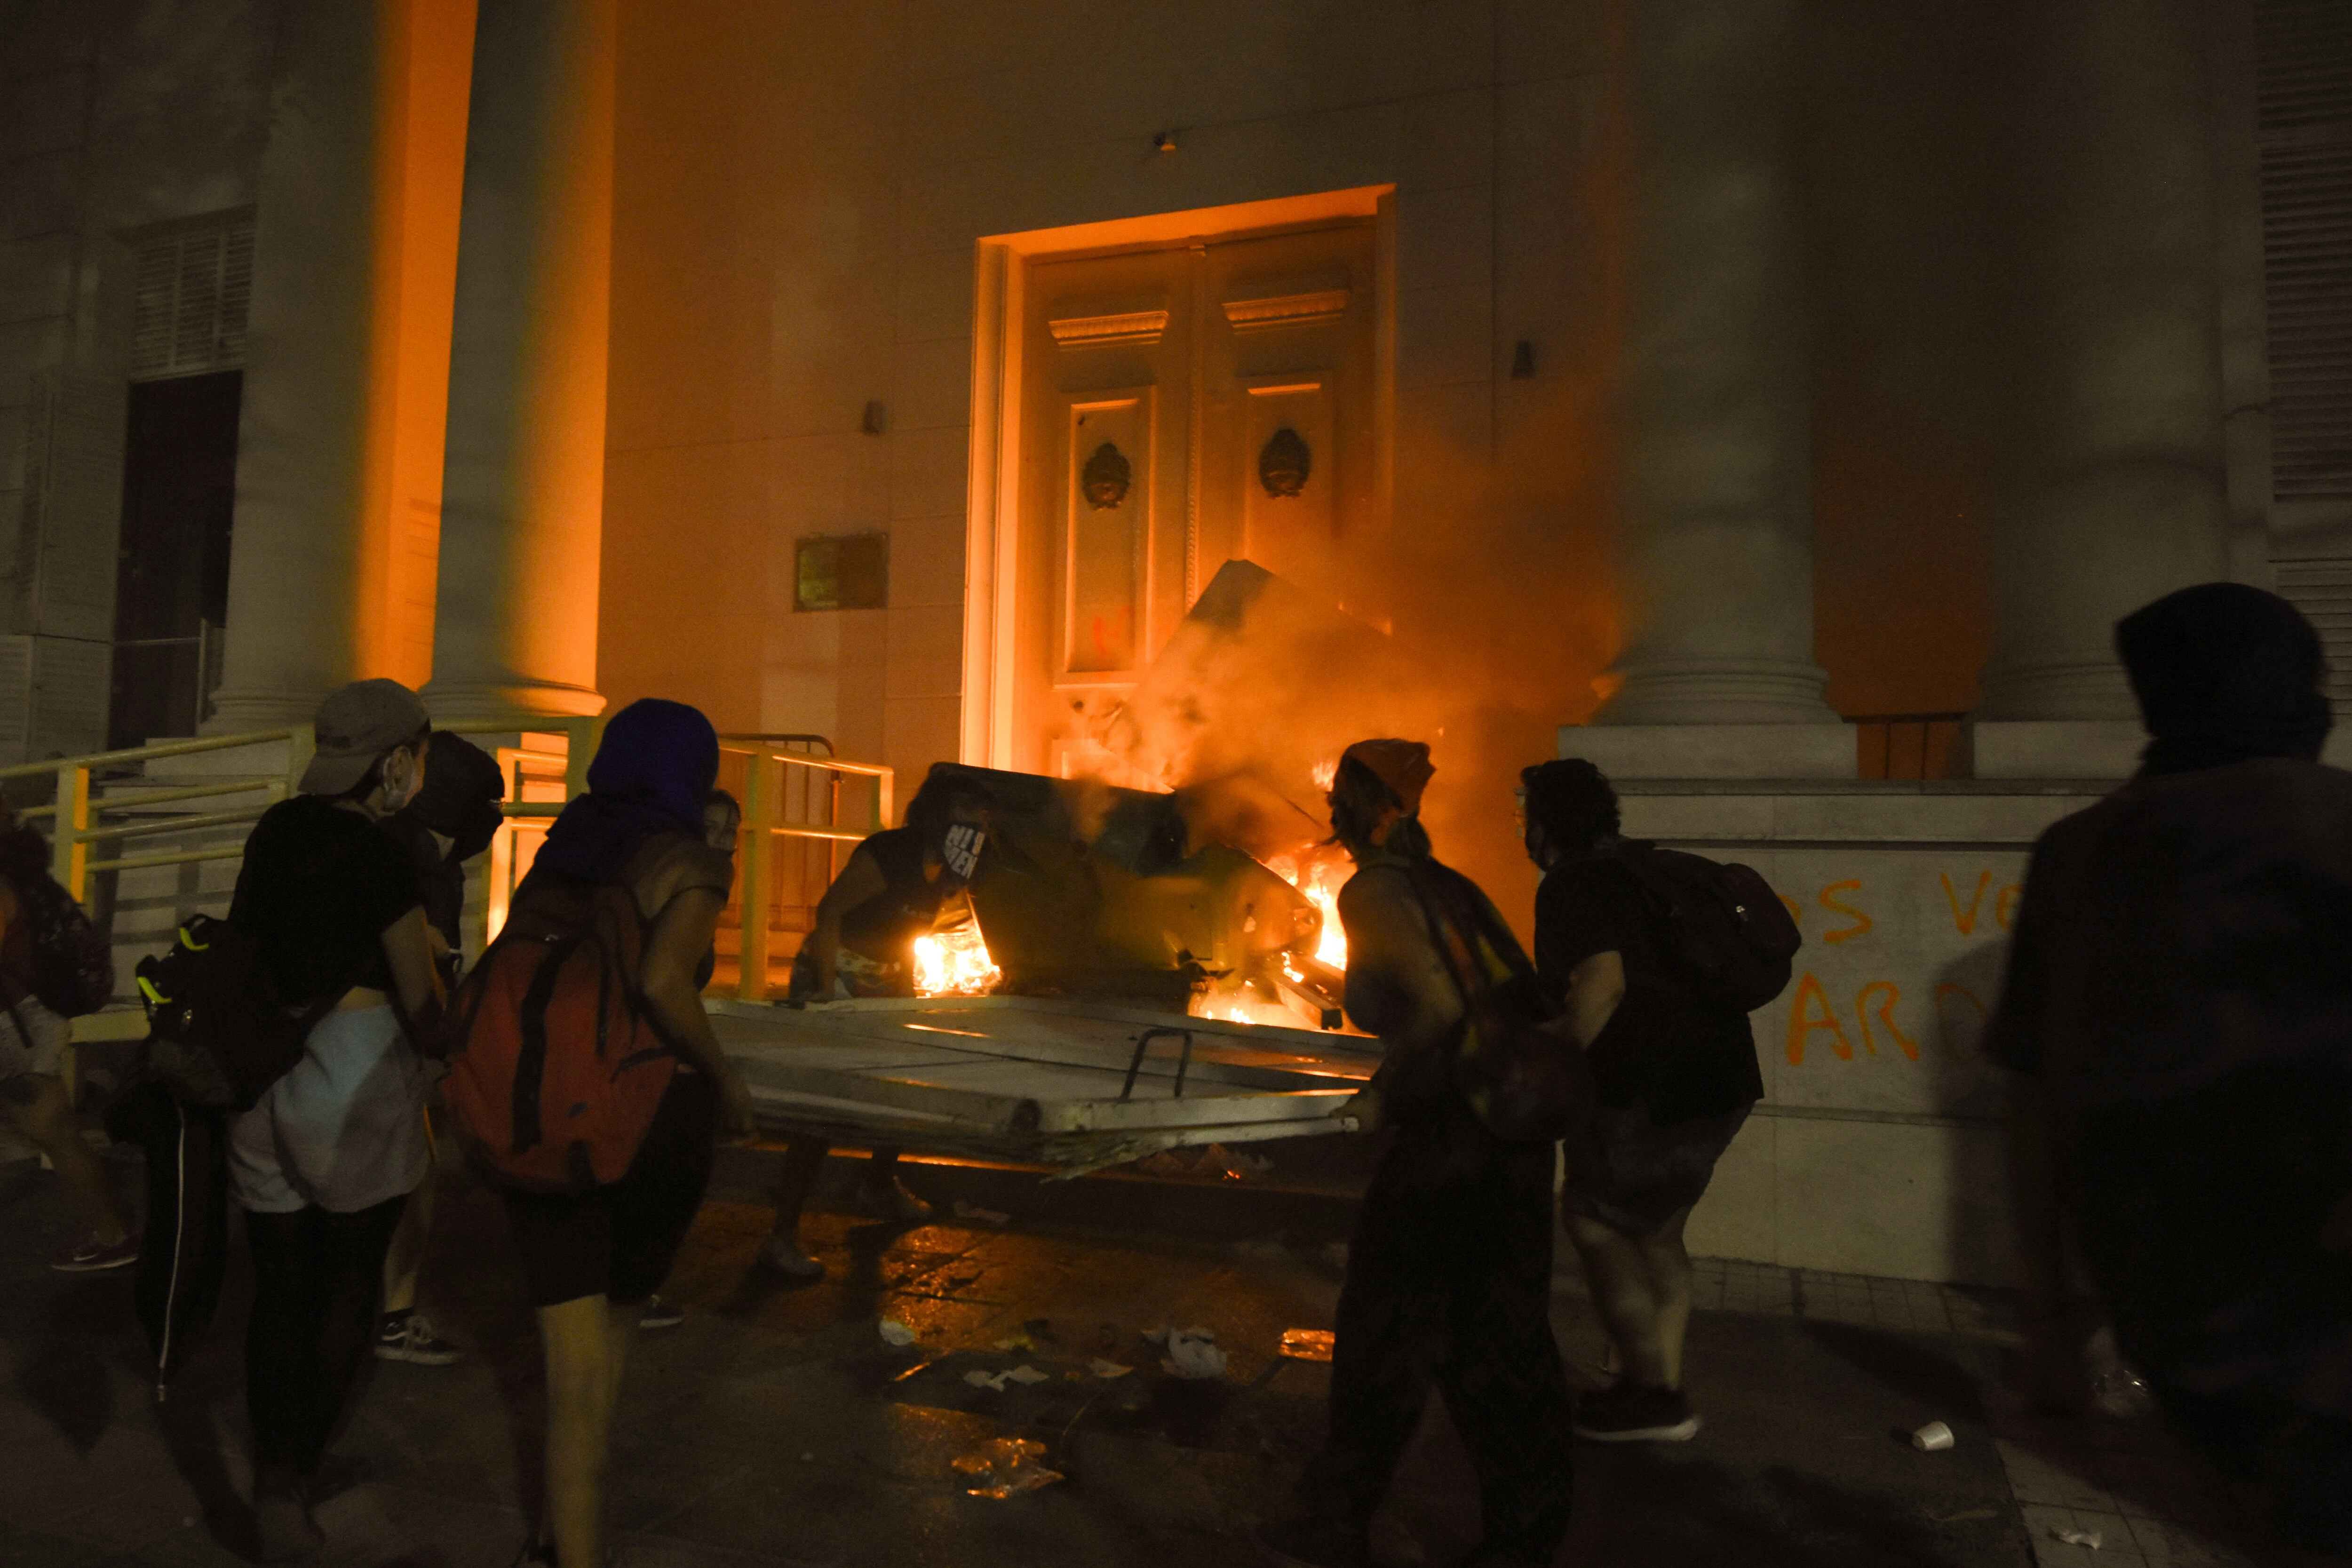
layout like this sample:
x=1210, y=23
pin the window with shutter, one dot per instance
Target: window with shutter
x=190, y=292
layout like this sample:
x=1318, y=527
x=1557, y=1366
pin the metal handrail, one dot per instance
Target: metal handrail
x=766, y=766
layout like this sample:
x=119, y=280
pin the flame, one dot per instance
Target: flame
x=1320, y=880
x=955, y=963
x=1325, y=774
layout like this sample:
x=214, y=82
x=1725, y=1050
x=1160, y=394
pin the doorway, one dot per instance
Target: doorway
x=1170, y=406
x=179, y=494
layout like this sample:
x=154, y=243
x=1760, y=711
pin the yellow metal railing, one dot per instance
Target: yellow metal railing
x=782, y=773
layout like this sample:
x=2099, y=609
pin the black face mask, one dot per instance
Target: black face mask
x=960, y=849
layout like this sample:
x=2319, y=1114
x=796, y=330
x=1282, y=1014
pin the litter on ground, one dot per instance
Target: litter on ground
x=1193, y=1353
x=895, y=1332
x=995, y=1381
x=2090, y=1539
x=1002, y=1467
x=1107, y=1370
x=986, y=1217
x=1306, y=1344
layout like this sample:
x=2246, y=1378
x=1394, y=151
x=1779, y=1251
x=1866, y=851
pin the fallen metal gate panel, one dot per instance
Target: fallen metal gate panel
x=1074, y=1085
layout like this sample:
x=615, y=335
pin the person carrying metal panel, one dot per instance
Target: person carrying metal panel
x=900, y=885
x=1449, y=1271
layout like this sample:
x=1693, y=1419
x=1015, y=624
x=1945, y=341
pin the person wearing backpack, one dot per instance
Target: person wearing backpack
x=453, y=818
x=324, y=1162
x=1449, y=1271
x=588, y=1002
x=33, y=1038
x=1675, y=1073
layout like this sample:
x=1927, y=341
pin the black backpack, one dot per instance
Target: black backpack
x=1727, y=935
x=218, y=1032
x=73, y=967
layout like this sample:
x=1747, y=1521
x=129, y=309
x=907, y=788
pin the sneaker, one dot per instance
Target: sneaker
x=1636, y=1413
x=406, y=1336
x=1310, y=1541
x=894, y=1204
x=784, y=1255
x=94, y=1254
x=660, y=1314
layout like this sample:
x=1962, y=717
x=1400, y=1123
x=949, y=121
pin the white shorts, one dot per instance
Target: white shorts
x=344, y=1130
x=39, y=1048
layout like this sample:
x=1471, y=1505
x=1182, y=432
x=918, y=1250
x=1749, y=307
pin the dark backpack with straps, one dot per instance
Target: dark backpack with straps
x=1524, y=1083
x=218, y=1032
x=1727, y=933
x=73, y=966
x=556, y=1067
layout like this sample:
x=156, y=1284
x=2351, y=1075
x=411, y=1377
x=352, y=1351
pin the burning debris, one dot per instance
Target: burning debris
x=955, y=963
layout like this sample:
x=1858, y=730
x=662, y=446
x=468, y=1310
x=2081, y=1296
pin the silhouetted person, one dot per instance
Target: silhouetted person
x=1449, y=1273
x=2178, y=1019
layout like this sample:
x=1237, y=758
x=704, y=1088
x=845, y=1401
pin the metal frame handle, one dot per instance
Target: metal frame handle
x=1143, y=1044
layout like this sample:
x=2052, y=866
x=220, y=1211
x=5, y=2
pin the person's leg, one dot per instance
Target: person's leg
x=1669, y=1267
x=406, y=1258
x=586, y=1346
x=351, y=1257
x=1501, y=1373
x=279, y=1373
x=1624, y=1294
x=887, y=1196
x=795, y=1181
x=37, y=1104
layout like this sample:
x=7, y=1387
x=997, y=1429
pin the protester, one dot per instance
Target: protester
x=32, y=1049
x=2177, y=1020
x=324, y=1164
x=899, y=884
x=592, y=1260
x=1449, y=1273
x=722, y=820
x=453, y=818
x=1674, y=1074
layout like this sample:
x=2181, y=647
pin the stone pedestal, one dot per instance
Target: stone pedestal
x=2117, y=495
x=1717, y=460
x=522, y=510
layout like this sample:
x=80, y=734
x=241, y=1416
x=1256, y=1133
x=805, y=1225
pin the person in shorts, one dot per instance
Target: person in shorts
x=1673, y=1073
x=31, y=1053
x=324, y=1162
x=592, y=1260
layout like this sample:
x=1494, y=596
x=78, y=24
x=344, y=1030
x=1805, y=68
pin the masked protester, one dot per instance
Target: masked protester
x=324, y=1164
x=2177, y=1020
x=900, y=884
x=453, y=817
x=1449, y=1273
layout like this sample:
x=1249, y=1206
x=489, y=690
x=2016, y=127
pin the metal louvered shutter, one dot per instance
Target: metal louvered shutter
x=2303, y=130
x=190, y=294
x=2323, y=590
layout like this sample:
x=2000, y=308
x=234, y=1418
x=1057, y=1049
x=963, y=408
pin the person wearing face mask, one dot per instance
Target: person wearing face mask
x=324, y=1162
x=899, y=884
x=453, y=818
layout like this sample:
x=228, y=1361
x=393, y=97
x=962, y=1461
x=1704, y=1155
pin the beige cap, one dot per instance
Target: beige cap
x=357, y=725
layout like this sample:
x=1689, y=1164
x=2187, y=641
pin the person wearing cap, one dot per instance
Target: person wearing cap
x=453, y=818
x=1449, y=1271
x=324, y=1162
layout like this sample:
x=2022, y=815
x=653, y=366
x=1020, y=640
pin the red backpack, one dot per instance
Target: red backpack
x=556, y=1065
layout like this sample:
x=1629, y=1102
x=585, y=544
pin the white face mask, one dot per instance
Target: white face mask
x=960, y=850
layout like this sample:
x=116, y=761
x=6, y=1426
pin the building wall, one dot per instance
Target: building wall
x=114, y=114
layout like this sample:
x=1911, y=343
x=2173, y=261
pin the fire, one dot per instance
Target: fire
x=1320, y=880
x=955, y=963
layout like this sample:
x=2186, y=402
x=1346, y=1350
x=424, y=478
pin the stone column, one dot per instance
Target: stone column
x=2114, y=487
x=303, y=428
x=522, y=507
x=1717, y=463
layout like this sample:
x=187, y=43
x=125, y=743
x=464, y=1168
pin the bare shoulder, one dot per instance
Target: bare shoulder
x=679, y=864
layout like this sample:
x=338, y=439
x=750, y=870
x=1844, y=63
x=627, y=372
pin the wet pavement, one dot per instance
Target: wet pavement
x=776, y=1425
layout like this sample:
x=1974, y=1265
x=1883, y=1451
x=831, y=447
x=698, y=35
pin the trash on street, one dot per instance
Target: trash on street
x=1002, y=1467
x=895, y=1332
x=1306, y=1344
x=1193, y=1353
x=1107, y=1370
x=1932, y=1439
x=2090, y=1539
x=986, y=1217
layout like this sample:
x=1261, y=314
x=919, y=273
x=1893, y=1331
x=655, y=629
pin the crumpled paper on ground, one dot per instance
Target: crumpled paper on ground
x=2090, y=1538
x=995, y=1381
x=1002, y=1467
x=895, y=1332
x=1192, y=1353
x=1107, y=1370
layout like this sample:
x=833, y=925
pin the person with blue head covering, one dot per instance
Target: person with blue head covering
x=592, y=1260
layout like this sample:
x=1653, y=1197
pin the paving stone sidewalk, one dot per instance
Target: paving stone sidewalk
x=776, y=1426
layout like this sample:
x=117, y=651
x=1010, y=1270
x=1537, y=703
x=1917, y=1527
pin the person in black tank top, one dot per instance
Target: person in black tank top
x=899, y=884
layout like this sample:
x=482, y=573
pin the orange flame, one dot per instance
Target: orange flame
x=1320, y=880
x=955, y=963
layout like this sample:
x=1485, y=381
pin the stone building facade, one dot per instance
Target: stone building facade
x=1775, y=400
